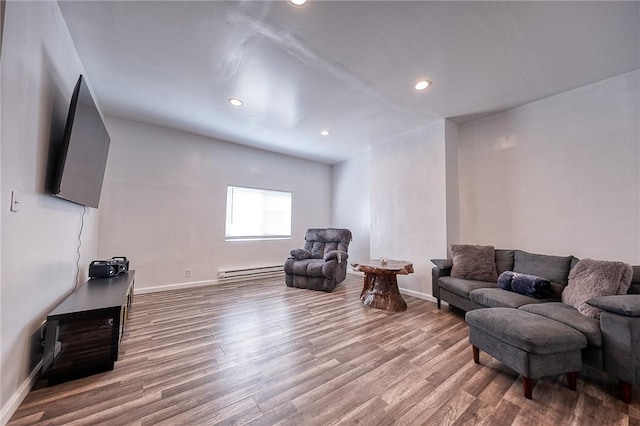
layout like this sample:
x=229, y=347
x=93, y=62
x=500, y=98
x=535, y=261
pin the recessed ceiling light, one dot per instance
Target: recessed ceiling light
x=298, y=2
x=236, y=102
x=422, y=84
x=325, y=133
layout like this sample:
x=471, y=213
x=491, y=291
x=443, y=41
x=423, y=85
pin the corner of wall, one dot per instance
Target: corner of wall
x=39, y=243
x=452, y=139
x=3, y=4
x=351, y=201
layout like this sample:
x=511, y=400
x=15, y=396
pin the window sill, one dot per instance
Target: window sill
x=256, y=238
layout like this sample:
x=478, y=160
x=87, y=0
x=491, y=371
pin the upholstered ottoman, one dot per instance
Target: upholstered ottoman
x=530, y=344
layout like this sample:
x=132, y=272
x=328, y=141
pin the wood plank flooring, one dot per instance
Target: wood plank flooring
x=260, y=353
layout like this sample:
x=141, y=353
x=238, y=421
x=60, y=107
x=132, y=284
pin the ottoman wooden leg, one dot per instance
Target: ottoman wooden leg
x=572, y=379
x=476, y=355
x=527, y=384
x=625, y=391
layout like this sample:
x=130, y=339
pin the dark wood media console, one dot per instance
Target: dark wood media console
x=83, y=333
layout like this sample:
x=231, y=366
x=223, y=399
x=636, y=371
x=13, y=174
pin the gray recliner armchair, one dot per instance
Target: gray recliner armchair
x=322, y=263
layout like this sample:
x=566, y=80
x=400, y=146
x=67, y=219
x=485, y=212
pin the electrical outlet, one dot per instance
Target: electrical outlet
x=14, y=201
x=187, y=273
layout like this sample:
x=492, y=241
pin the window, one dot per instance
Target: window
x=257, y=214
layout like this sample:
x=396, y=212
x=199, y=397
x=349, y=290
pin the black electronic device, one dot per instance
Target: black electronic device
x=84, y=151
x=108, y=268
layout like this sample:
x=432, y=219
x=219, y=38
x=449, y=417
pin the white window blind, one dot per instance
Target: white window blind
x=257, y=213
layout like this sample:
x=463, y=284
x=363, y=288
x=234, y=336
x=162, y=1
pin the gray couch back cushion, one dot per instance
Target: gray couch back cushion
x=554, y=268
x=634, y=288
x=504, y=260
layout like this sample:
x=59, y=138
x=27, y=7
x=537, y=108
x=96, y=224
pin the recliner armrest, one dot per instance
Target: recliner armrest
x=301, y=254
x=338, y=255
x=627, y=305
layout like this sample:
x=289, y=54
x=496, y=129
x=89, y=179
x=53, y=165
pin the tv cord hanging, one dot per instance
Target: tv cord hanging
x=84, y=210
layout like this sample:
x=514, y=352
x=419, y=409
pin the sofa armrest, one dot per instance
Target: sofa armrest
x=338, y=255
x=301, y=254
x=620, y=326
x=627, y=305
x=443, y=264
x=442, y=269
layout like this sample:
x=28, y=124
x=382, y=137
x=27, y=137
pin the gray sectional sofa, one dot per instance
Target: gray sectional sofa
x=613, y=341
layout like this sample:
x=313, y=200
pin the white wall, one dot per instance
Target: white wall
x=452, y=140
x=39, y=69
x=409, y=203
x=558, y=176
x=4, y=412
x=351, y=202
x=164, y=199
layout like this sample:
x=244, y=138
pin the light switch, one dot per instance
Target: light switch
x=14, y=201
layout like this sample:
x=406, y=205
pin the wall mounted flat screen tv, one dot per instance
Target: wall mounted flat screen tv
x=84, y=152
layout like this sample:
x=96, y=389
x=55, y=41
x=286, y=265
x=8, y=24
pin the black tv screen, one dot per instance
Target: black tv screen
x=84, y=152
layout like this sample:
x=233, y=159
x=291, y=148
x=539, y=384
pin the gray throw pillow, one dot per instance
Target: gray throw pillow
x=592, y=278
x=527, y=285
x=474, y=262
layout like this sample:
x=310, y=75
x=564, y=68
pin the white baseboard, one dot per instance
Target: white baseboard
x=193, y=284
x=178, y=286
x=418, y=295
x=17, y=398
x=412, y=293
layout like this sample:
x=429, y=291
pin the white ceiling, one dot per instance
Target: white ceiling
x=345, y=66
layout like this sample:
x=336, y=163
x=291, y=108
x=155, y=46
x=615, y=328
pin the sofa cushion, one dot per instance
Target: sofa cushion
x=499, y=298
x=327, y=269
x=634, y=288
x=474, y=262
x=462, y=287
x=570, y=316
x=529, y=285
x=342, y=238
x=592, y=278
x=317, y=249
x=308, y=267
x=554, y=268
x=529, y=332
x=504, y=280
x=301, y=254
x=330, y=246
x=338, y=255
x=574, y=262
x=504, y=260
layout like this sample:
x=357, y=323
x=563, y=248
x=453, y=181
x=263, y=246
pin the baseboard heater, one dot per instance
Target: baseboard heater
x=250, y=273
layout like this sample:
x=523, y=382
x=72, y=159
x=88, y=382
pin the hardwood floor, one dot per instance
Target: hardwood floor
x=261, y=353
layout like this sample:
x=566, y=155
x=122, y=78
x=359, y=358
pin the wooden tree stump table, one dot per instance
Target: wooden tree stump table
x=380, y=288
